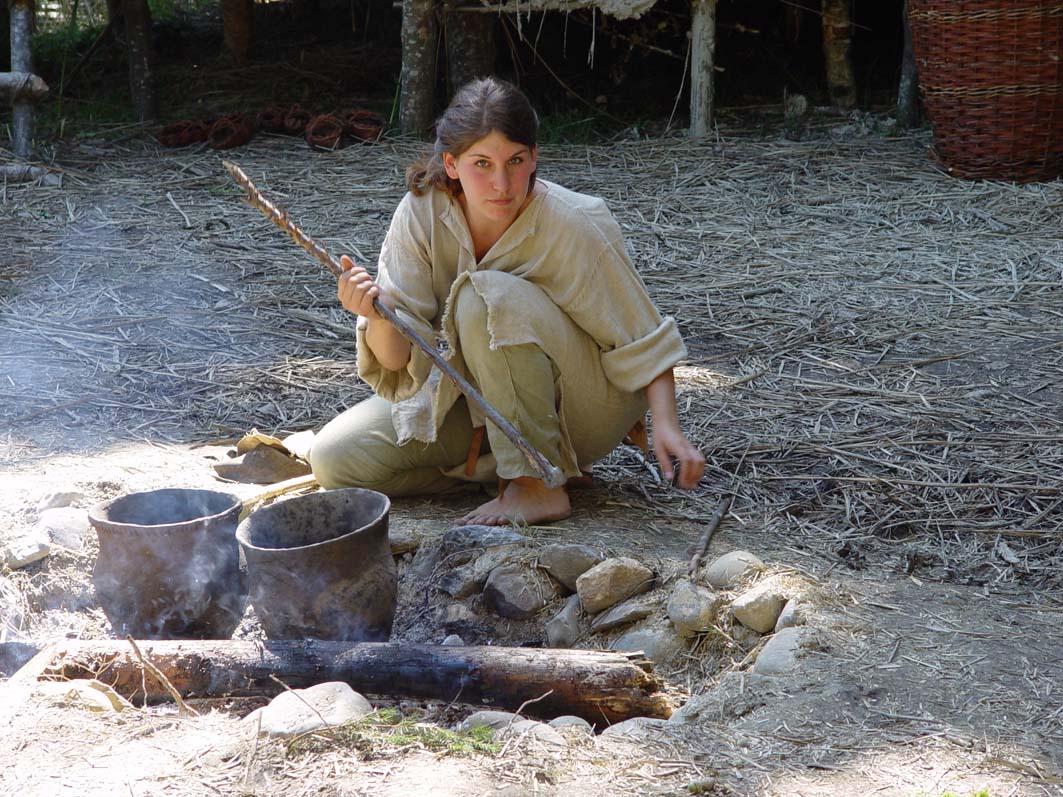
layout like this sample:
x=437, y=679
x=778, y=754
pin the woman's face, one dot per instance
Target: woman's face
x=494, y=174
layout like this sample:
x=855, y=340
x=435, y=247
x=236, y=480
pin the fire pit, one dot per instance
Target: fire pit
x=169, y=565
x=320, y=566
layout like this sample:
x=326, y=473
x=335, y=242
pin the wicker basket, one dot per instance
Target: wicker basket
x=991, y=75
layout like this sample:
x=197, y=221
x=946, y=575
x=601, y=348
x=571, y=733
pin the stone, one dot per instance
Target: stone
x=13, y=654
x=792, y=614
x=453, y=640
x=660, y=645
x=636, y=729
x=736, y=695
x=298, y=711
x=566, y=563
x=84, y=693
x=425, y=562
x=492, y=719
x=611, y=581
x=58, y=500
x=692, y=608
x=779, y=655
x=571, y=721
x=65, y=526
x=746, y=638
x=517, y=592
x=562, y=630
x=455, y=614
x=523, y=729
x=731, y=569
x=462, y=544
x=630, y=611
x=403, y=540
x=759, y=607
x=468, y=579
x=24, y=550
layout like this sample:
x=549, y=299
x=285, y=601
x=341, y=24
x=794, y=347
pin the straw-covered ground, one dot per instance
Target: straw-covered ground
x=874, y=371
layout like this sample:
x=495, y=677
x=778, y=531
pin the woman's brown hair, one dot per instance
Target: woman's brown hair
x=477, y=109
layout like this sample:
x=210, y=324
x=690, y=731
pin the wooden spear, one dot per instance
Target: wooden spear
x=550, y=473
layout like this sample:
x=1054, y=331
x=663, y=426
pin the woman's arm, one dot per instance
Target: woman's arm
x=669, y=442
x=357, y=290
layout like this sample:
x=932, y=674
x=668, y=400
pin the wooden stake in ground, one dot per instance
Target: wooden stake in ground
x=600, y=686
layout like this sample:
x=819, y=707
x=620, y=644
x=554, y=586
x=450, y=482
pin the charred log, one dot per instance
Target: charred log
x=600, y=686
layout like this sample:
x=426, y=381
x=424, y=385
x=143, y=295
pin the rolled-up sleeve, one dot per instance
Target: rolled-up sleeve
x=613, y=306
x=404, y=273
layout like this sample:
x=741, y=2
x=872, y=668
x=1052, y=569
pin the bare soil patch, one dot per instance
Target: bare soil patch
x=873, y=372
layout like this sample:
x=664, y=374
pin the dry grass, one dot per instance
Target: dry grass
x=875, y=347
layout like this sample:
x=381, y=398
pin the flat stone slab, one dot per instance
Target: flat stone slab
x=779, y=654
x=630, y=611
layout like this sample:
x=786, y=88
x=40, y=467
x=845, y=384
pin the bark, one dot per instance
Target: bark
x=141, y=58
x=470, y=47
x=22, y=112
x=837, y=53
x=417, y=100
x=702, y=63
x=238, y=24
x=5, y=37
x=115, y=22
x=22, y=86
x=600, y=686
x=909, y=109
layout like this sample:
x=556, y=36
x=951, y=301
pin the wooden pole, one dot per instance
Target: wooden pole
x=470, y=46
x=237, y=21
x=837, y=53
x=141, y=57
x=702, y=64
x=22, y=86
x=22, y=121
x=600, y=686
x=909, y=110
x=417, y=98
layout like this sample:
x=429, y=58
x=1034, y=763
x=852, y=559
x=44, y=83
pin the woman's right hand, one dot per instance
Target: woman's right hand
x=357, y=290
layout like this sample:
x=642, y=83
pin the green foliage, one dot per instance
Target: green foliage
x=574, y=127
x=386, y=730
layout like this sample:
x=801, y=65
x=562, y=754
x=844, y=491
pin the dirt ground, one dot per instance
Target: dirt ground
x=147, y=319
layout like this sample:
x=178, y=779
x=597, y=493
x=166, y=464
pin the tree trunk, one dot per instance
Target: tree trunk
x=116, y=22
x=470, y=47
x=22, y=112
x=837, y=53
x=909, y=109
x=238, y=24
x=5, y=37
x=702, y=66
x=417, y=99
x=139, y=51
x=600, y=686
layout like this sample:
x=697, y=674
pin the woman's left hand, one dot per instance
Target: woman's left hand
x=674, y=452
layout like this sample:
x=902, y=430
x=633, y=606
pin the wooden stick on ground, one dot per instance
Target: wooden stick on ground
x=600, y=686
x=710, y=530
x=158, y=675
x=550, y=473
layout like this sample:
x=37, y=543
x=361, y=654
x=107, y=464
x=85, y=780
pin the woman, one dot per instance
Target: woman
x=531, y=288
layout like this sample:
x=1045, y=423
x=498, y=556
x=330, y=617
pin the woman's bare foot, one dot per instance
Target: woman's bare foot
x=525, y=500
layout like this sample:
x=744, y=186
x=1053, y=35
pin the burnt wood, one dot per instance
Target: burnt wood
x=600, y=686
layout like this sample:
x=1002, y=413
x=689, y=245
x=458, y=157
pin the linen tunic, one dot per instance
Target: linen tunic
x=567, y=245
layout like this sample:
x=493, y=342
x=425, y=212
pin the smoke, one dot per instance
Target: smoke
x=168, y=565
